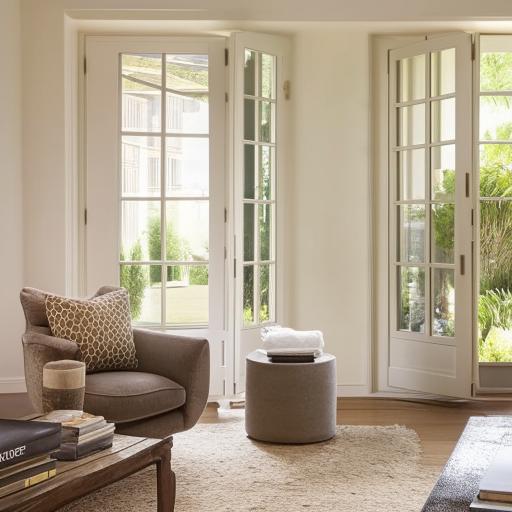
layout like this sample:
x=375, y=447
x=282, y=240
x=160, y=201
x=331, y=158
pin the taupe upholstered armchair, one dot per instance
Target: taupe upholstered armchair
x=165, y=394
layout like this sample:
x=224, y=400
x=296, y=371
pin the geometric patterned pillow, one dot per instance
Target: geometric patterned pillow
x=101, y=327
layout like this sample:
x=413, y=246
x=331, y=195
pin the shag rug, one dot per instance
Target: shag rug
x=218, y=468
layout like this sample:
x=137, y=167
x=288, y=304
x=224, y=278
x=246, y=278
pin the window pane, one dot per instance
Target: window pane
x=411, y=302
x=187, y=167
x=146, y=67
x=267, y=74
x=442, y=165
x=266, y=172
x=140, y=166
x=250, y=73
x=495, y=69
x=443, y=318
x=265, y=293
x=411, y=174
x=265, y=223
x=411, y=233
x=411, y=78
x=187, y=230
x=187, y=114
x=443, y=233
x=496, y=170
x=495, y=245
x=496, y=118
x=187, y=73
x=248, y=232
x=267, y=123
x=442, y=72
x=187, y=295
x=443, y=120
x=411, y=125
x=140, y=107
x=248, y=295
x=145, y=295
x=140, y=231
x=249, y=119
x=249, y=171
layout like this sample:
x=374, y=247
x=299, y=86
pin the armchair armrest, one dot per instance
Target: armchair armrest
x=39, y=349
x=182, y=359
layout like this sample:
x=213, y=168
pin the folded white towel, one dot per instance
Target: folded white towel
x=278, y=337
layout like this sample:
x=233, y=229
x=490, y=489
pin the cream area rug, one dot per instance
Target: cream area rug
x=218, y=468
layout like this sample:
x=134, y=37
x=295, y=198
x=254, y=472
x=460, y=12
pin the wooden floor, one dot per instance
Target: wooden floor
x=438, y=424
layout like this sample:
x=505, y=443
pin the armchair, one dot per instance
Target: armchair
x=166, y=394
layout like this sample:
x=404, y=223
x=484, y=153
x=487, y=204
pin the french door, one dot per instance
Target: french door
x=259, y=141
x=430, y=216
x=155, y=182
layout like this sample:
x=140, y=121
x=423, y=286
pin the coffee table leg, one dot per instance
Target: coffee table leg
x=165, y=483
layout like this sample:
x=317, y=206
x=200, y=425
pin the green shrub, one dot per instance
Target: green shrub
x=494, y=309
x=497, y=346
x=198, y=275
x=135, y=279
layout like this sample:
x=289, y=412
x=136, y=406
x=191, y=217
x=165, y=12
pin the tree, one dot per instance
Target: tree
x=135, y=279
x=176, y=249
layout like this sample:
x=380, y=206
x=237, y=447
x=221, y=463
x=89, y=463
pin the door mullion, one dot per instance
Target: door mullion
x=428, y=228
x=163, y=185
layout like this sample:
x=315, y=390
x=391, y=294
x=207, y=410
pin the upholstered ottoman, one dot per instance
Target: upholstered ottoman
x=291, y=403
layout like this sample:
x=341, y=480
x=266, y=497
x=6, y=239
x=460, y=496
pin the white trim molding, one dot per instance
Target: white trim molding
x=12, y=385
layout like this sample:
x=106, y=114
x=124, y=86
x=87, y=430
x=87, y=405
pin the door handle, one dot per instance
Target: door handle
x=462, y=264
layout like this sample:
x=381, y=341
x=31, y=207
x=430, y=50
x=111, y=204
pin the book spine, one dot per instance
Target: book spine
x=27, y=482
x=33, y=449
x=28, y=473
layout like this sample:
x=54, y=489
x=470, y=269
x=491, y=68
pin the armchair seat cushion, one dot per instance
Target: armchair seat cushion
x=124, y=396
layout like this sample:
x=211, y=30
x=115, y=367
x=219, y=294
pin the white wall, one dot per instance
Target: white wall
x=11, y=205
x=329, y=192
x=44, y=146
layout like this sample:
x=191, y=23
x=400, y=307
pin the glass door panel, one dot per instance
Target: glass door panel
x=259, y=173
x=495, y=204
x=171, y=232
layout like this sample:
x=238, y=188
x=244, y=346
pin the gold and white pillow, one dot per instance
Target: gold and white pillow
x=101, y=327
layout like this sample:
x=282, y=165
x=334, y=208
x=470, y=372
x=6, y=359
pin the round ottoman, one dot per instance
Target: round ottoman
x=290, y=402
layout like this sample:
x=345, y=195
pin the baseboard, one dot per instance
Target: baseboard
x=12, y=385
x=357, y=390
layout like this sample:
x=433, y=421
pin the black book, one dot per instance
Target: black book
x=21, y=440
x=306, y=358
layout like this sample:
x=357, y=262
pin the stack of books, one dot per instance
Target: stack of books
x=82, y=433
x=25, y=454
x=495, y=493
x=291, y=355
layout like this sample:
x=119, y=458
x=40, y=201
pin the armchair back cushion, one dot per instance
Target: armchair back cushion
x=101, y=327
x=34, y=307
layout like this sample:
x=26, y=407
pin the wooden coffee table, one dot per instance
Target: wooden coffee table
x=77, y=478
